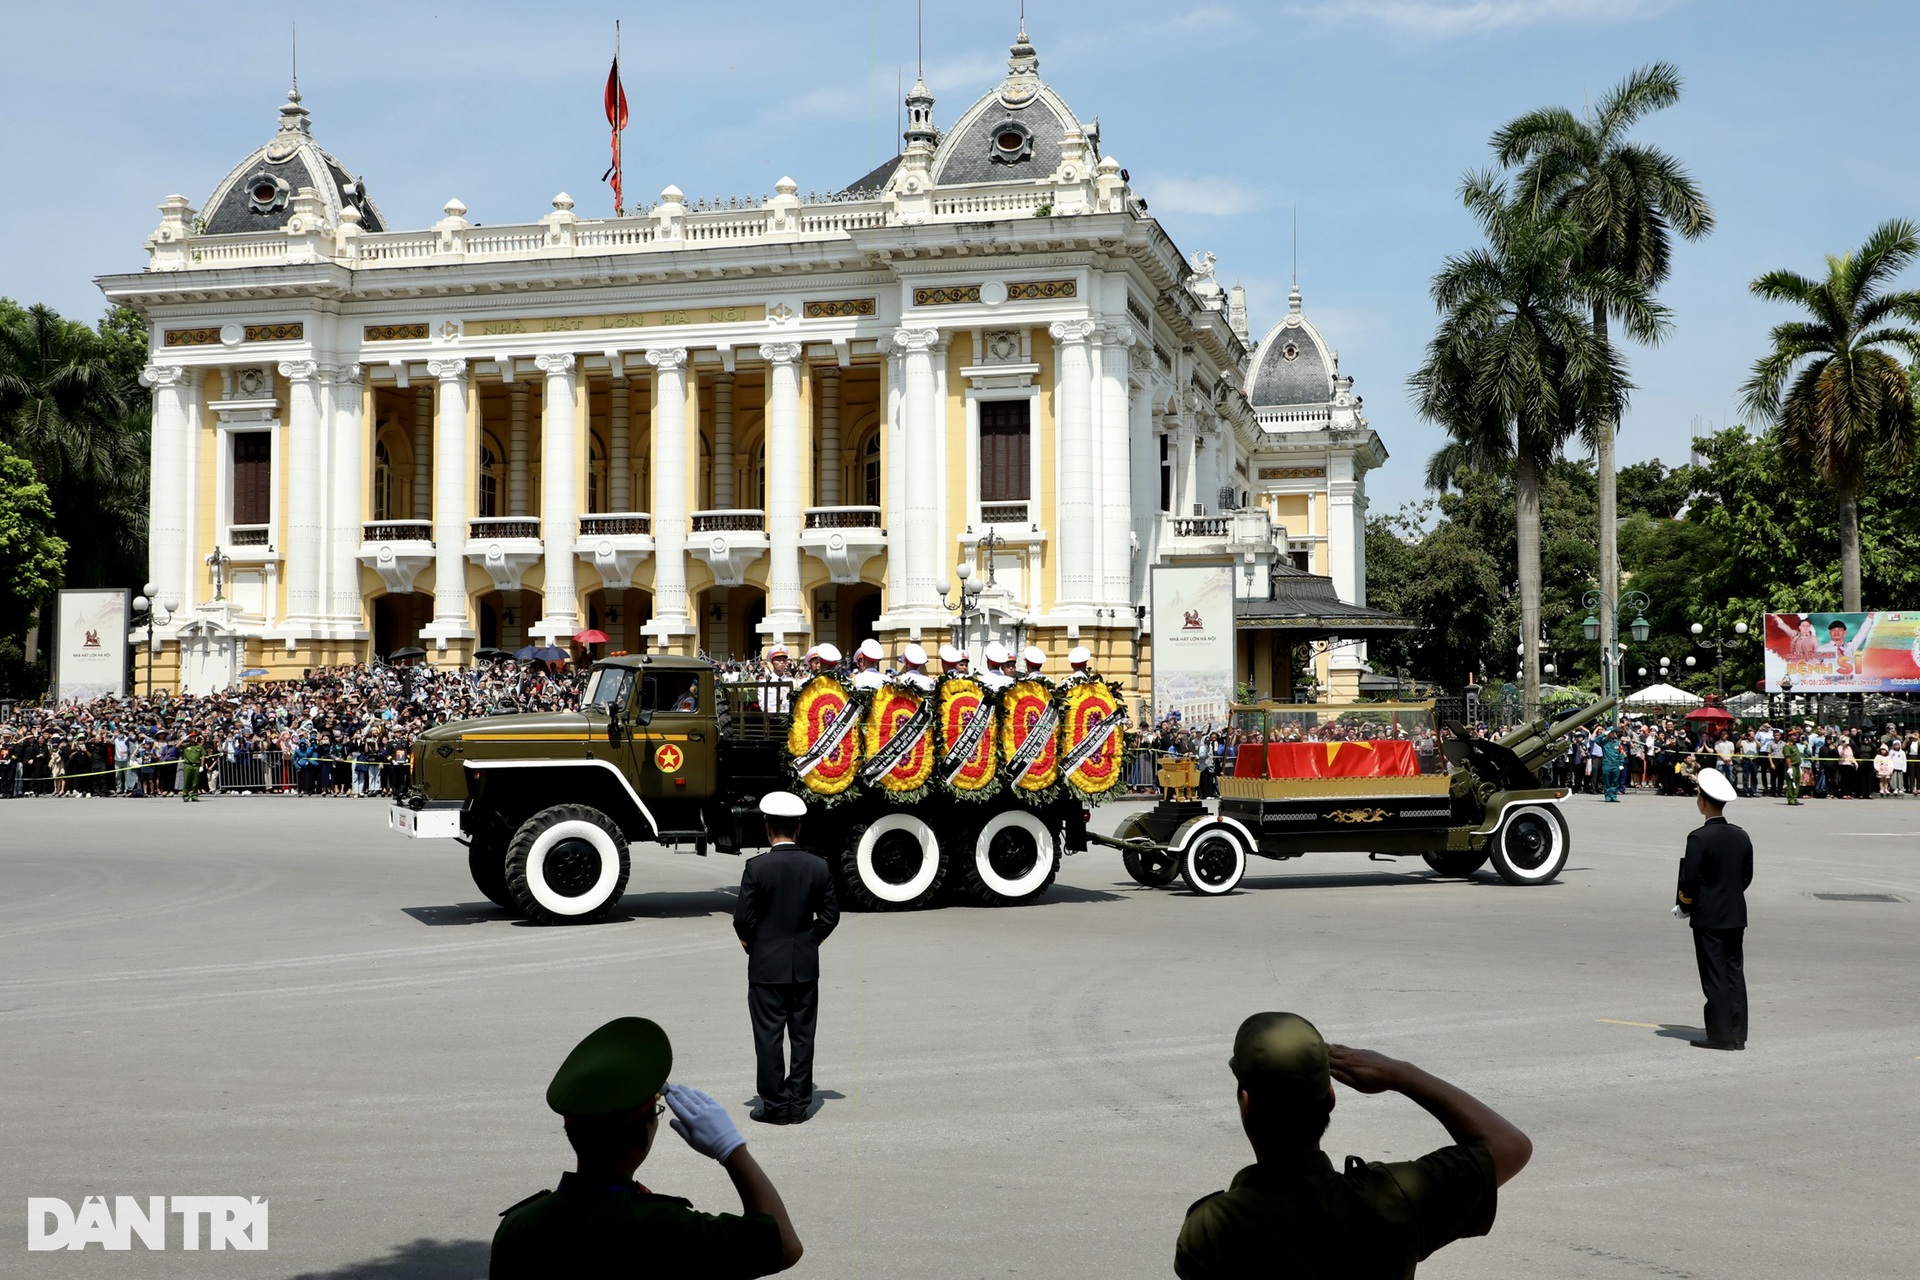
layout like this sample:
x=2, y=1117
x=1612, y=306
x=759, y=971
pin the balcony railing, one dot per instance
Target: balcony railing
x=503, y=527
x=1003, y=513
x=397, y=531
x=733, y=521
x=249, y=535
x=1202, y=526
x=843, y=517
x=615, y=524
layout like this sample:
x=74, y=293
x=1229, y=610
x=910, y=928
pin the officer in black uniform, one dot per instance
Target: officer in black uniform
x=1291, y=1213
x=1712, y=895
x=785, y=911
x=599, y=1221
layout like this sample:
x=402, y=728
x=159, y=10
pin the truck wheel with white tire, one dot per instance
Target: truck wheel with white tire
x=487, y=864
x=1011, y=859
x=894, y=863
x=567, y=864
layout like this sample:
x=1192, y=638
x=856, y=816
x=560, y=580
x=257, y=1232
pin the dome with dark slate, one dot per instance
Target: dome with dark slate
x=257, y=194
x=1293, y=366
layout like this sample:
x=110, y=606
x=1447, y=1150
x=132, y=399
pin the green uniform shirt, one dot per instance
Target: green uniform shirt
x=192, y=755
x=586, y=1232
x=1301, y=1219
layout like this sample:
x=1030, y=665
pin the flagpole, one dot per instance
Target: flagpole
x=619, y=126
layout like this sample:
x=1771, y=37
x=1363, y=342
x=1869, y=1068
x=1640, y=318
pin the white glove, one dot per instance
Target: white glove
x=1678, y=914
x=703, y=1122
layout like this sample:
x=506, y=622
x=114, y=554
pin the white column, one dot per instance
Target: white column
x=723, y=440
x=348, y=449
x=423, y=453
x=304, y=461
x=450, y=506
x=1077, y=521
x=620, y=449
x=919, y=439
x=1146, y=490
x=1114, y=450
x=893, y=479
x=670, y=618
x=785, y=490
x=517, y=450
x=170, y=495
x=830, y=437
x=559, y=501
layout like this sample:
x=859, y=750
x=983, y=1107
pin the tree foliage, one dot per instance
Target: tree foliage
x=31, y=558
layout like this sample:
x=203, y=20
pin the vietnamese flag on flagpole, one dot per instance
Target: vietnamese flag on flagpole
x=616, y=102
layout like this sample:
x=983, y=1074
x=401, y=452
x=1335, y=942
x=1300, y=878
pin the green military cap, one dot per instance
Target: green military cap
x=1281, y=1052
x=618, y=1067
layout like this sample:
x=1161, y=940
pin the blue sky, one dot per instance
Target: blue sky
x=1797, y=120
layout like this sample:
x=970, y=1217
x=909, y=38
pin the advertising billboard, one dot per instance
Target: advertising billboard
x=90, y=645
x=1844, y=652
x=1193, y=643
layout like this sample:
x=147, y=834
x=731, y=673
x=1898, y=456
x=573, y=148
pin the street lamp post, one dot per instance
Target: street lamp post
x=970, y=591
x=1639, y=629
x=1718, y=644
x=151, y=611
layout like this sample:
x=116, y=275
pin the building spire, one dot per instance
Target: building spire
x=1023, y=68
x=293, y=116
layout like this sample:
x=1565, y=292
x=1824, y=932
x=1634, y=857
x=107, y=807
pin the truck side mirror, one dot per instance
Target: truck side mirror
x=645, y=717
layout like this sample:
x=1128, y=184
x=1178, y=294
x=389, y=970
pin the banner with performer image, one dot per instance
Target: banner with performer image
x=90, y=645
x=1843, y=652
x=1193, y=643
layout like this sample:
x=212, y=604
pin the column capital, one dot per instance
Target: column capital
x=725, y=378
x=668, y=359
x=1120, y=333
x=299, y=370
x=1072, y=331
x=915, y=341
x=780, y=352
x=163, y=375
x=453, y=370
x=349, y=375
x=561, y=363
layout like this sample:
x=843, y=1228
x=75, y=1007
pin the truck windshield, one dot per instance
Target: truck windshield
x=607, y=688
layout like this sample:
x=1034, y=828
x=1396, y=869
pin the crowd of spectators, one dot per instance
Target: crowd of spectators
x=1666, y=756
x=335, y=731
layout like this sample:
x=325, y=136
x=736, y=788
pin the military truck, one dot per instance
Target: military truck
x=1373, y=778
x=664, y=752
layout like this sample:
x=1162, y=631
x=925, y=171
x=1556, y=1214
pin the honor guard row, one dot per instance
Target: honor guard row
x=912, y=672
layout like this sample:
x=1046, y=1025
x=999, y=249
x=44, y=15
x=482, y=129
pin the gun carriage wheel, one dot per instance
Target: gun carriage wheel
x=1531, y=844
x=1456, y=862
x=1214, y=861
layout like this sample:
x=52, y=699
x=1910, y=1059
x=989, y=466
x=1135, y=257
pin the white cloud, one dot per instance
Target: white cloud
x=1442, y=19
x=1200, y=194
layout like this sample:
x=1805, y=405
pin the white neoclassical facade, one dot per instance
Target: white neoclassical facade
x=709, y=424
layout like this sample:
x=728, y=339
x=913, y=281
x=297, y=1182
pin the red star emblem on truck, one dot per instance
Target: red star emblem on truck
x=668, y=758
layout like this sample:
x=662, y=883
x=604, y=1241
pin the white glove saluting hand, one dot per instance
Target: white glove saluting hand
x=703, y=1122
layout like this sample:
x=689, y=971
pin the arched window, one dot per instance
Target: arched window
x=870, y=471
x=382, y=482
x=489, y=497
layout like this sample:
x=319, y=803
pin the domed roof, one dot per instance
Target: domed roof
x=257, y=195
x=1292, y=366
x=1013, y=134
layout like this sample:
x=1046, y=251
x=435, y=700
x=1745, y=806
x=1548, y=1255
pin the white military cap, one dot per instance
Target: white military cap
x=1079, y=656
x=951, y=655
x=914, y=656
x=828, y=654
x=870, y=650
x=1714, y=785
x=778, y=651
x=997, y=653
x=783, y=804
x=1034, y=657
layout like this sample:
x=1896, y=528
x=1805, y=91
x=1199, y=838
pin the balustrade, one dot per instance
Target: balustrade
x=503, y=527
x=397, y=531
x=616, y=524
x=843, y=517
x=735, y=521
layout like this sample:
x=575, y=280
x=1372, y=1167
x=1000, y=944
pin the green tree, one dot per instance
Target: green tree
x=1842, y=402
x=1627, y=199
x=31, y=558
x=1515, y=369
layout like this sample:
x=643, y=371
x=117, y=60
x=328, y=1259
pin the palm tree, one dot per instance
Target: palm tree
x=1627, y=199
x=1842, y=402
x=1515, y=369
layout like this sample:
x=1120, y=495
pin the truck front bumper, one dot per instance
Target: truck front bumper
x=439, y=820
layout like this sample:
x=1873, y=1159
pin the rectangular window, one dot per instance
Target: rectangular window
x=252, y=477
x=1166, y=474
x=1006, y=465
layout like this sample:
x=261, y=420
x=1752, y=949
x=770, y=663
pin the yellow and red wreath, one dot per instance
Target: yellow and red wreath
x=961, y=699
x=1091, y=708
x=817, y=708
x=1025, y=708
x=891, y=708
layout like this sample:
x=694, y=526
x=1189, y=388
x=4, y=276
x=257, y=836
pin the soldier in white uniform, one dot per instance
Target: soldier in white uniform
x=996, y=676
x=866, y=665
x=953, y=662
x=776, y=692
x=1079, y=660
x=1034, y=659
x=822, y=659
x=913, y=671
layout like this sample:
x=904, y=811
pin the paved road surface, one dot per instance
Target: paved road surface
x=271, y=996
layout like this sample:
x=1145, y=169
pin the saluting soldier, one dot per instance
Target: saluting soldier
x=1712, y=894
x=1793, y=755
x=1291, y=1213
x=785, y=910
x=599, y=1221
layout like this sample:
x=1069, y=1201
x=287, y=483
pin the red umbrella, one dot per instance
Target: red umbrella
x=1711, y=714
x=591, y=636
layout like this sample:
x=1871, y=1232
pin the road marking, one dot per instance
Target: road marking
x=1651, y=1026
